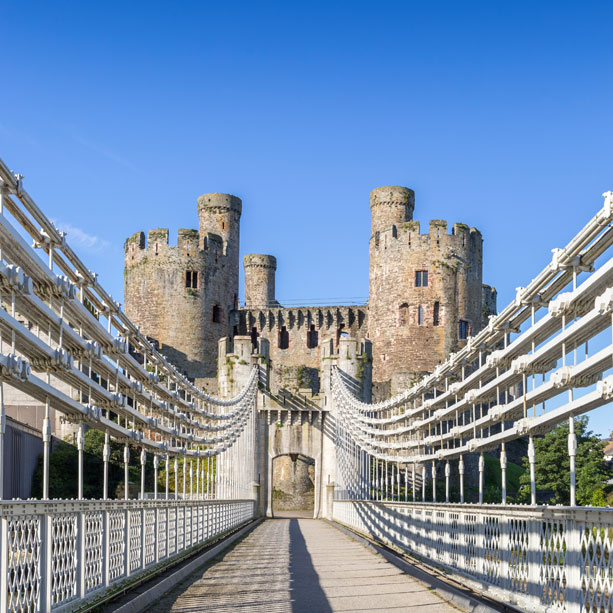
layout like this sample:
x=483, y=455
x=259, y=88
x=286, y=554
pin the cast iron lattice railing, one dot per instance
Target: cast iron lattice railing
x=55, y=554
x=537, y=558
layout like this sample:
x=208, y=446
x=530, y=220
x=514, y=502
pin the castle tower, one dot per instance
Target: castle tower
x=219, y=216
x=390, y=205
x=425, y=290
x=165, y=296
x=260, y=280
x=182, y=296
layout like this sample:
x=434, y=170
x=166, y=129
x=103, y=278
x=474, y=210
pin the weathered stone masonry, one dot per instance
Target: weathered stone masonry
x=425, y=296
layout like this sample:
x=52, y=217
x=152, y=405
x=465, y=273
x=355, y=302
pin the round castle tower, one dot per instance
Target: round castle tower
x=425, y=290
x=260, y=280
x=182, y=296
x=164, y=295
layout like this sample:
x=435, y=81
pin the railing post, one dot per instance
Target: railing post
x=126, y=537
x=534, y=559
x=574, y=567
x=505, y=550
x=106, y=546
x=46, y=554
x=80, y=578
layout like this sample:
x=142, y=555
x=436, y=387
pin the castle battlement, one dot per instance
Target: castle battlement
x=438, y=230
x=187, y=240
x=323, y=318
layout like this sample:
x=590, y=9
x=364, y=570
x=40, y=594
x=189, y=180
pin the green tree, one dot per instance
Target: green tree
x=63, y=469
x=552, y=466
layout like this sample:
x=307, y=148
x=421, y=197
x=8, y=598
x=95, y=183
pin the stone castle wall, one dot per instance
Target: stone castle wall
x=413, y=328
x=295, y=337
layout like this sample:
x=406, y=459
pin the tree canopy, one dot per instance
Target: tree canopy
x=552, y=467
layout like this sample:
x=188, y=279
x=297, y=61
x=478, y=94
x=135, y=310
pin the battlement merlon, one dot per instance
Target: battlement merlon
x=158, y=238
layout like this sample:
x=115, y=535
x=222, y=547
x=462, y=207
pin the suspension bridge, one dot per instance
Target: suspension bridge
x=66, y=344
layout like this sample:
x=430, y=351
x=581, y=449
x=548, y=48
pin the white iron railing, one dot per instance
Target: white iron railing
x=56, y=554
x=536, y=558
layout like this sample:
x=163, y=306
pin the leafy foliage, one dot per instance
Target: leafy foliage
x=63, y=469
x=552, y=467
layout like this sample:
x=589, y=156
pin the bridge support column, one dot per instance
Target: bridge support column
x=106, y=456
x=481, y=470
x=176, y=464
x=126, y=462
x=143, y=461
x=503, y=471
x=433, y=481
x=531, y=460
x=46, y=448
x=572, y=452
x=80, y=447
x=447, y=473
x=156, y=466
x=461, y=471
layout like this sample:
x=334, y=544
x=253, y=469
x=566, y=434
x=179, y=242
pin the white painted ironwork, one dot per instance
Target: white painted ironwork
x=58, y=553
x=536, y=558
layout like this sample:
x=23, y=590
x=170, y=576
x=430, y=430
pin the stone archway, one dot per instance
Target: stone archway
x=293, y=485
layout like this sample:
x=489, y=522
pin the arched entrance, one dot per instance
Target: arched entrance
x=293, y=485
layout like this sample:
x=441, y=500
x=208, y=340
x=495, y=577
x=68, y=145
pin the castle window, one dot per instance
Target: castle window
x=403, y=314
x=463, y=329
x=420, y=316
x=283, y=338
x=191, y=279
x=421, y=278
x=216, y=314
x=312, y=337
x=157, y=248
x=340, y=333
x=254, y=338
x=436, y=313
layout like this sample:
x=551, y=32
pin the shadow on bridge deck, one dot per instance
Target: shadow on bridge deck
x=299, y=566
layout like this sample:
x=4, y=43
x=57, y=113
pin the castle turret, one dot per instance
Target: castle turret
x=219, y=215
x=260, y=280
x=425, y=294
x=390, y=205
x=164, y=296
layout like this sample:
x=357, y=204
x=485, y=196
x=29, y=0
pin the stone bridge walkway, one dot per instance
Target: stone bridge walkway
x=300, y=565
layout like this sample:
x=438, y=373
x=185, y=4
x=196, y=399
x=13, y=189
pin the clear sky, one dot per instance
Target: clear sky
x=120, y=114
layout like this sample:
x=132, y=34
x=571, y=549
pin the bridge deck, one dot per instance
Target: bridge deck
x=290, y=565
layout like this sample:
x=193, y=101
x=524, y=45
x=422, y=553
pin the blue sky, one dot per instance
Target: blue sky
x=120, y=114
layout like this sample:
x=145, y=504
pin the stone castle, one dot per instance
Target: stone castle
x=426, y=297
